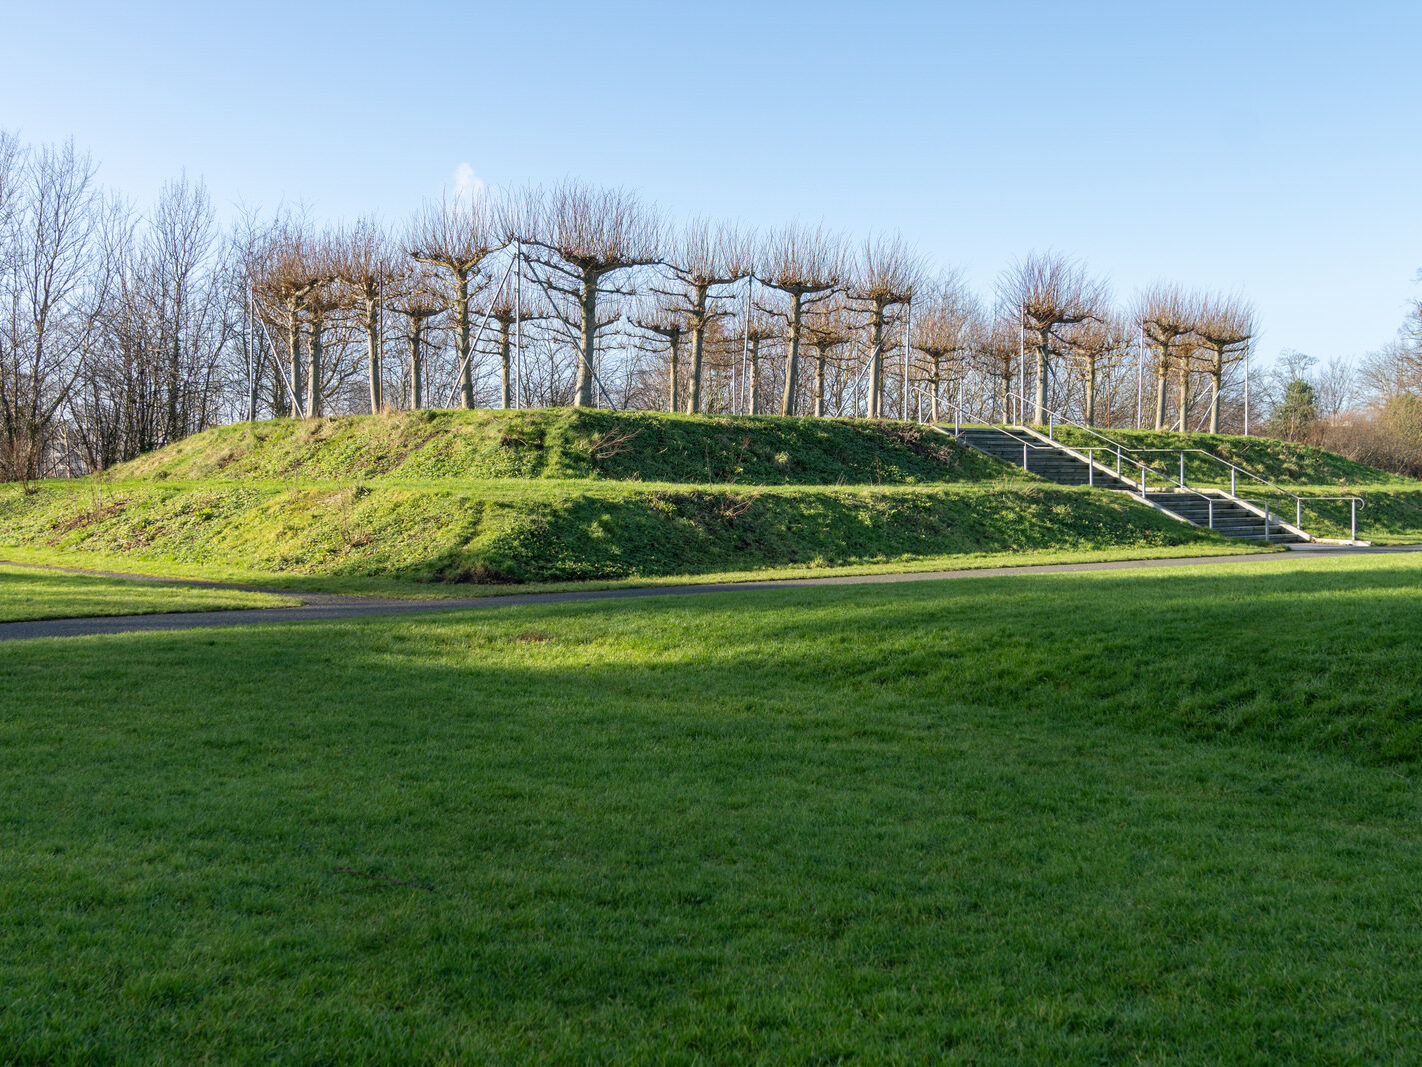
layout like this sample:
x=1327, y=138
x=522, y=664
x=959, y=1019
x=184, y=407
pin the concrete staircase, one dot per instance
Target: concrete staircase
x=1231, y=517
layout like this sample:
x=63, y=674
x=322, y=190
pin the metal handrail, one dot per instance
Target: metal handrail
x=1120, y=449
x=1354, y=501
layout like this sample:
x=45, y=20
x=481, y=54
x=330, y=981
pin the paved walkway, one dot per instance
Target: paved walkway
x=316, y=607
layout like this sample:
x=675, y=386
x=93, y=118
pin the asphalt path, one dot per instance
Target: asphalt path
x=320, y=607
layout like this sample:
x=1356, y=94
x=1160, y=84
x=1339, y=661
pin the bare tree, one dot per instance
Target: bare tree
x=946, y=329
x=510, y=311
x=1091, y=345
x=590, y=234
x=367, y=264
x=61, y=242
x=827, y=330
x=704, y=261
x=454, y=236
x=667, y=320
x=180, y=241
x=417, y=300
x=806, y=265
x=1167, y=317
x=287, y=270
x=885, y=276
x=998, y=352
x=1050, y=291
x=1224, y=326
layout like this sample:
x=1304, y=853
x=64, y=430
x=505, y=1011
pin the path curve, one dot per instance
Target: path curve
x=318, y=607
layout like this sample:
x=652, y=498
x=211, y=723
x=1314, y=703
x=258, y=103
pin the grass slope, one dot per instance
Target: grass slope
x=26, y=593
x=1285, y=463
x=1160, y=816
x=549, y=531
x=563, y=443
x=570, y=495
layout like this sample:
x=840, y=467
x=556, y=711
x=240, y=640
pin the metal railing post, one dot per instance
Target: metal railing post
x=1024, y=455
x=1298, y=512
x=1266, y=520
x=1232, y=490
x=1211, y=501
x=1182, y=468
x=1091, y=466
x=1118, y=462
x=1353, y=518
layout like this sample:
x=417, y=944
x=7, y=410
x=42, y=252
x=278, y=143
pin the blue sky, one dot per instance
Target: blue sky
x=1266, y=147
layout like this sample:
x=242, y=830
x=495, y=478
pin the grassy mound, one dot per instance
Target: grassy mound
x=507, y=531
x=562, y=443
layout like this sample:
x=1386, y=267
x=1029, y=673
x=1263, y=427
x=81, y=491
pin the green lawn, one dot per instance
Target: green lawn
x=1158, y=815
x=26, y=593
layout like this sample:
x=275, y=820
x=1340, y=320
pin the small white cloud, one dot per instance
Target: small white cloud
x=467, y=184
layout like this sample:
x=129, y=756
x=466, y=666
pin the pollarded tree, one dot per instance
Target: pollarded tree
x=1091, y=346
x=454, y=236
x=754, y=334
x=589, y=234
x=667, y=320
x=1049, y=291
x=827, y=330
x=510, y=311
x=1167, y=317
x=705, y=261
x=806, y=265
x=288, y=269
x=945, y=331
x=1225, y=326
x=369, y=266
x=997, y=352
x=885, y=276
x=418, y=301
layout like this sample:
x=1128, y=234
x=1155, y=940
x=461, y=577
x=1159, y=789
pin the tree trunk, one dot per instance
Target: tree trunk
x=293, y=333
x=1216, y=384
x=1091, y=392
x=1040, y=403
x=673, y=382
x=461, y=339
x=1184, y=371
x=417, y=369
x=313, y=386
x=792, y=360
x=505, y=364
x=1162, y=369
x=755, y=376
x=820, y=383
x=174, y=358
x=698, y=348
x=937, y=379
x=875, y=404
x=372, y=347
x=583, y=393
x=1006, y=395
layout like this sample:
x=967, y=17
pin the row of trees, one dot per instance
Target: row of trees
x=127, y=330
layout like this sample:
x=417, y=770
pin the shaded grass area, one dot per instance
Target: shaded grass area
x=1104, y=816
x=26, y=593
x=514, y=531
x=563, y=443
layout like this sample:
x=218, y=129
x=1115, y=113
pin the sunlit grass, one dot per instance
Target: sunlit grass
x=1161, y=815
